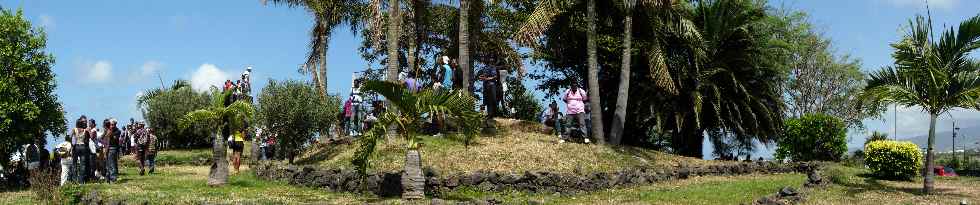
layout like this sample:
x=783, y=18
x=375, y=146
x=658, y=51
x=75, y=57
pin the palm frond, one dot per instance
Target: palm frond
x=541, y=18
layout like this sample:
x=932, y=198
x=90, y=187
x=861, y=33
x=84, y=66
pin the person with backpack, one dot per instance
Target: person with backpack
x=575, y=99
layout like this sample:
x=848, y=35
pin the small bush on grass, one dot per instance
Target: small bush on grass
x=44, y=184
x=893, y=159
x=813, y=137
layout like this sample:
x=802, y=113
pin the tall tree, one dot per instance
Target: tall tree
x=464, y=42
x=619, y=118
x=327, y=14
x=820, y=81
x=219, y=114
x=934, y=74
x=593, y=78
x=29, y=106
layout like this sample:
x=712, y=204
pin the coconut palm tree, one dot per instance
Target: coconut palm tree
x=616, y=132
x=934, y=75
x=218, y=115
x=455, y=105
x=327, y=14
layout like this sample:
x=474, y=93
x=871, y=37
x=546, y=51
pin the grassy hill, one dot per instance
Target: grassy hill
x=519, y=147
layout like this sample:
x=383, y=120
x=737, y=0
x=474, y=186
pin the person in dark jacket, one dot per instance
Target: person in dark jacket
x=112, y=143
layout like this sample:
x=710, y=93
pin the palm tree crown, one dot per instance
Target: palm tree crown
x=936, y=76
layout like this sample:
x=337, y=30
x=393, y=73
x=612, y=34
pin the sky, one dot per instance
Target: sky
x=109, y=51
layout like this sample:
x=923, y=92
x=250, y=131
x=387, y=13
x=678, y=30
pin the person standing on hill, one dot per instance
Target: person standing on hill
x=575, y=99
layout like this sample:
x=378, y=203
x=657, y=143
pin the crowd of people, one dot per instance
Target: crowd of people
x=91, y=153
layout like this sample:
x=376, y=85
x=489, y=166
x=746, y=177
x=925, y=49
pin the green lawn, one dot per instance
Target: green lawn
x=187, y=185
x=697, y=190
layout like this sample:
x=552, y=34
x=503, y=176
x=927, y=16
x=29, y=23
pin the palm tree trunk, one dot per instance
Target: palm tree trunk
x=412, y=47
x=928, y=182
x=394, y=20
x=218, y=175
x=616, y=134
x=316, y=78
x=464, y=42
x=413, y=183
x=594, y=102
x=323, y=67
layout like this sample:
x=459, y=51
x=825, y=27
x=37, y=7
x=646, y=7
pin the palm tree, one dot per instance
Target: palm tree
x=328, y=14
x=727, y=82
x=936, y=76
x=616, y=134
x=455, y=105
x=464, y=42
x=217, y=116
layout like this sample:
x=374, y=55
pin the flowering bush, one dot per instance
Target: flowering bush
x=889, y=159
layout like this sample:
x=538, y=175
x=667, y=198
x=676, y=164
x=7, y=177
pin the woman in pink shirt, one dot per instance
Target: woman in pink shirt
x=575, y=103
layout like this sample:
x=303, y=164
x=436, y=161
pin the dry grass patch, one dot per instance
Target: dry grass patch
x=519, y=147
x=858, y=188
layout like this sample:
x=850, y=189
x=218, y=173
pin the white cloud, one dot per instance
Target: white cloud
x=97, y=72
x=207, y=75
x=47, y=21
x=941, y=4
x=147, y=69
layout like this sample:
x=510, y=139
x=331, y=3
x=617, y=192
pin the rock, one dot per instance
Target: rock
x=534, y=202
x=787, y=191
x=452, y=181
x=509, y=179
x=438, y=202
x=486, y=186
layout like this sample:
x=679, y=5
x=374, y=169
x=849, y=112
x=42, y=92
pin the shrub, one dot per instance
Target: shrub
x=813, y=137
x=526, y=106
x=294, y=112
x=893, y=159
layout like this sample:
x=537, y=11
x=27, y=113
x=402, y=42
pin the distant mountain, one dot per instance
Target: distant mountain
x=966, y=136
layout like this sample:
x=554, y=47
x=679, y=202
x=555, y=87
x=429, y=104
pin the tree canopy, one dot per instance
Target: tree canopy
x=29, y=107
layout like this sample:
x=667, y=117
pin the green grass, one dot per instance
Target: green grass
x=187, y=185
x=697, y=190
x=173, y=157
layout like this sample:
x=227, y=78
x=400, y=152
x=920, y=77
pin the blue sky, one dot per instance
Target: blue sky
x=109, y=51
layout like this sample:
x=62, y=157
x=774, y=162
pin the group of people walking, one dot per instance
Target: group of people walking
x=91, y=154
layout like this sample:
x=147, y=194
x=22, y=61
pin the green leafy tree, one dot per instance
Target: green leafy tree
x=456, y=106
x=163, y=109
x=819, y=81
x=215, y=117
x=934, y=74
x=294, y=112
x=29, y=107
x=813, y=137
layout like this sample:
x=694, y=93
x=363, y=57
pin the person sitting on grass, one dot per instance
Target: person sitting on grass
x=551, y=117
